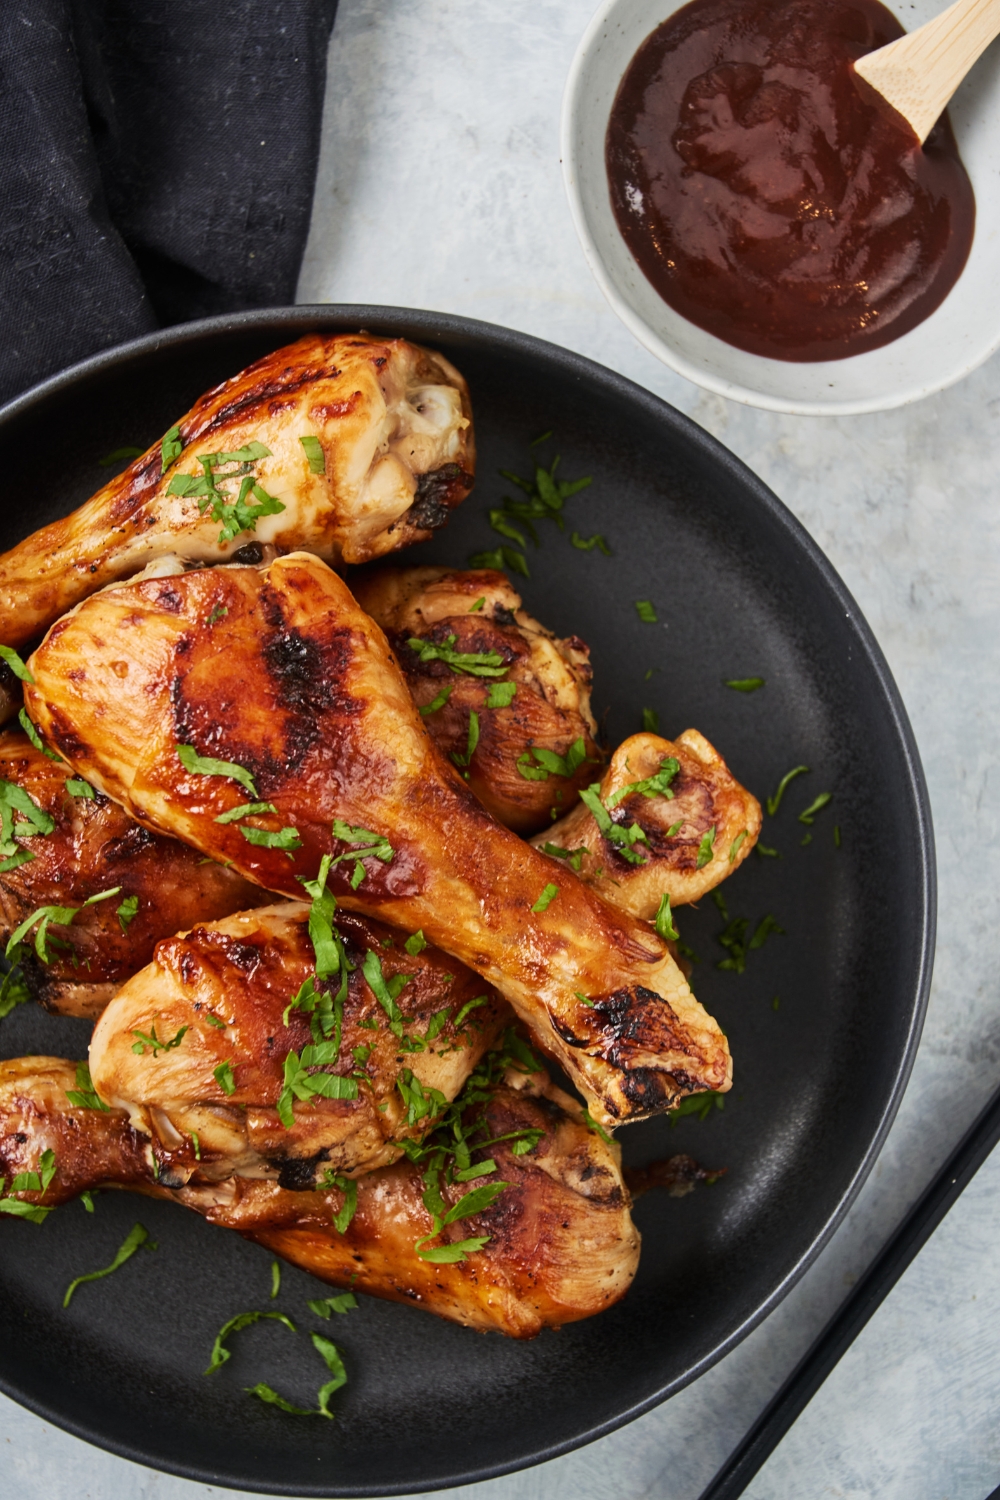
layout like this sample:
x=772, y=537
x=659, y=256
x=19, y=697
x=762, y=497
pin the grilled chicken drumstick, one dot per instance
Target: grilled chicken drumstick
x=557, y=1243
x=696, y=831
x=437, y=617
x=270, y=1067
x=280, y=690
x=92, y=846
x=345, y=445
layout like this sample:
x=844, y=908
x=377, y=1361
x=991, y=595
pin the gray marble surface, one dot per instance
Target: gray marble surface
x=440, y=187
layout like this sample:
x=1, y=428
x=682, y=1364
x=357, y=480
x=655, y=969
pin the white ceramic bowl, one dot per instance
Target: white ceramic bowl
x=964, y=330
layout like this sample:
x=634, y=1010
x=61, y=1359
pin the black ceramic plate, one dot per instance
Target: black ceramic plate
x=740, y=590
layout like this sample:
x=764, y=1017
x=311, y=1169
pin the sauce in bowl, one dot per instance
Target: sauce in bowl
x=765, y=198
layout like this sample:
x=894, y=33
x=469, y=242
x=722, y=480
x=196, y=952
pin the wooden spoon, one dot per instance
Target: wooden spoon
x=918, y=73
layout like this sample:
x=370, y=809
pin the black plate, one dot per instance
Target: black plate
x=740, y=590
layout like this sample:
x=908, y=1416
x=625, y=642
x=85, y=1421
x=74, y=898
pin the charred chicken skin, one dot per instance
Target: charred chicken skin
x=701, y=810
x=277, y=1072
x=556, y=1244
x=454, y=634
x=344, y=445
x=279, y=673
x=93, y=846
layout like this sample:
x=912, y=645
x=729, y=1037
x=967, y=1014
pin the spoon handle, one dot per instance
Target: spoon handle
x=918, y=73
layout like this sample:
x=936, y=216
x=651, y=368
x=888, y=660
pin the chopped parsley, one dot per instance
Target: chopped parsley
x=343, y=1302
x=588, y=544
x=216, y=1021
x=475, y=608
x=697, y=1104
x=315, y=456
x=36, y=823
x=116, y=456
x=152, y=1041
x=386, y=991
x=650, y=721
x=766, y=926
x=734, y=939
x=13, y=992
x=597, y=1129
x=365, y=845
x=78, y=788
x=137, y=1236
x=415, y=943
x=836, y=834
x=664, y=920
x=546, y=899
x=706, y=849
x=285, y=839
x=767, y=851
x=35, y=737
x=573, y=857
x=218, y=610
x=734, y=847
x=744, y=684
x=500, y=694
x=44, y=916
x=500, y=558
x=127, y=911
x=809, y=815
x=218, y=469
x=220, y=1354
x=545, y=498
x=10, y=656
x=441, y=698
x=617, y=834
x=644, y=609
x=474, y=663
x=275, y=1280
x=349, y=1187
x=205, y=765
x=674, y=828
x=331, y=1356
x=464, y=758
x=773, y=803
x=245, y=810
x=419, y=1105
x=29, y=1182
x=85, y=1096
x=223, y=1076
x=657, y=785
x=264, y=1392
x=550, y=763
x=300, y=1083
x=171, y=449
x=470, y=1203
x=501, y=524
x=470, y=1005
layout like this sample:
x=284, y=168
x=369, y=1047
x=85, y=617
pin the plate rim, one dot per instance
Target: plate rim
x=440, y=326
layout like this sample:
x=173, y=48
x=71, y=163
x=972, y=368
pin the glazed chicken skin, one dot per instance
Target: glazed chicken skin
x=223, y=997
x=702, y=801
x=479, y=614
x=389, y=452
x=94, y=846
x=560, y=1244
x=279, y=673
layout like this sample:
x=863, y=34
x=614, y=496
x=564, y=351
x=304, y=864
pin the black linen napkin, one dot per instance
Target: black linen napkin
x=157, y=162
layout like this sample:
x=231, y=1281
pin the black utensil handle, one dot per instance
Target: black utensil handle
x=845, y=1325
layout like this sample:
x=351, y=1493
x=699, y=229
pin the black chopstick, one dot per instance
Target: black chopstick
x=845, y=1325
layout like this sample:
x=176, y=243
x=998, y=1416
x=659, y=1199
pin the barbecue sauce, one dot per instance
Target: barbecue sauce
x=766, y=198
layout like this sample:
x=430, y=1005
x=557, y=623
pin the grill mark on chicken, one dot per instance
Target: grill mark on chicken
x=438, y=492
